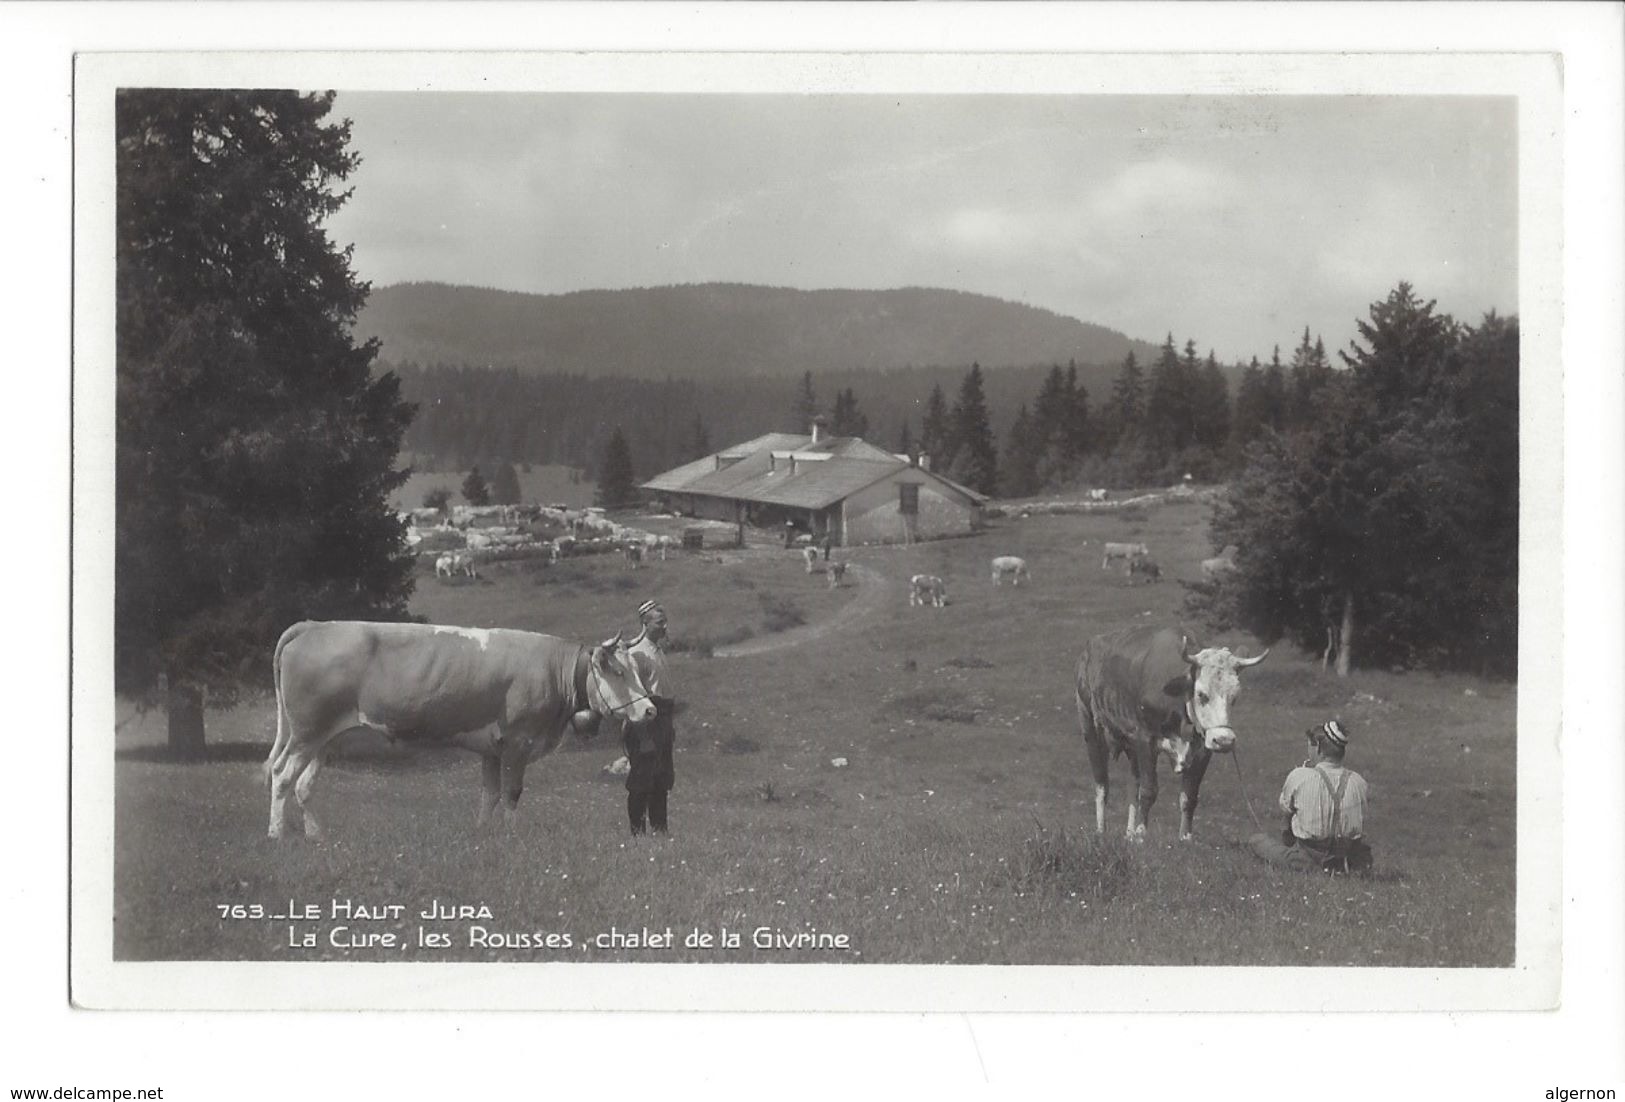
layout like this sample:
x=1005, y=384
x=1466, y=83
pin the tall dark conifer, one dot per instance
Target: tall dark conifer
x=255, y=447
x=976, y=460
x=617, y=486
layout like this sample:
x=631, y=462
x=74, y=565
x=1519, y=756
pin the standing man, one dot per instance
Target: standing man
x=1324, y=802
x=648, y=745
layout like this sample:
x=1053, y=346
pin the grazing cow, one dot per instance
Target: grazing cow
x=1221, y=564
x=445, y=566
x=926, y=589
x=1141, y=564
x=419, y=682
x=835, y=572
x=1015, y=567
x=810, y=556
x=1144, y=692
x=1097, y=495
x=1128, y=552
x=665, y=543
x=463, y=563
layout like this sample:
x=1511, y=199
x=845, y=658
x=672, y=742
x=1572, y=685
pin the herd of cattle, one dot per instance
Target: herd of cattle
x=459, y=539
x=509, y=696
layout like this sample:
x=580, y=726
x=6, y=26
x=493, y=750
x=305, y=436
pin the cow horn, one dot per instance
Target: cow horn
x=1242, y=663
x=1185, y=649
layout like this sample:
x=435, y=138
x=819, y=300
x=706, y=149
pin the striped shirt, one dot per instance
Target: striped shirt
x=1305, y=797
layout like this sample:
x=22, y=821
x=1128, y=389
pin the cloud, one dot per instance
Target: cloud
x=1160, y=187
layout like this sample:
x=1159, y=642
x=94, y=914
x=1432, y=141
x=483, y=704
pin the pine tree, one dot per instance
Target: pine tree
x=617, y=486
x=976, y=460
x=256, y=448
x=937, y=441
x=1252, y=411
x=1126, y=410
x=1168, y=406
x=1276, y=408
x=505, y=485
x=1369, y=526
x=1310, y=373
x=476, y=491
x=1212, y=427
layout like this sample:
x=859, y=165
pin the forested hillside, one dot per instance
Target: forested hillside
x=716, y=330
x=480, y=415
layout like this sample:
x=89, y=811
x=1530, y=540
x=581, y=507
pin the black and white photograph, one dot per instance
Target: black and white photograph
x=818, y=531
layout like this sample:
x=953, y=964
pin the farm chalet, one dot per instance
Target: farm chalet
x=821, y=485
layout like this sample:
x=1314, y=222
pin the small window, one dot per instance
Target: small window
x=908, y=498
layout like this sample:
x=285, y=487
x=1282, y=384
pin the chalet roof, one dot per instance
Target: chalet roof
x=832, y=469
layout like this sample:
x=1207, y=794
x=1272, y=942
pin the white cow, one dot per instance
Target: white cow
x=1128, y=552
x=1015, y=567
x=926, y=589
x=810, y=556
x=445, y=566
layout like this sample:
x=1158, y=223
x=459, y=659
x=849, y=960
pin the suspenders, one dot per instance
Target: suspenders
x=1336, y=802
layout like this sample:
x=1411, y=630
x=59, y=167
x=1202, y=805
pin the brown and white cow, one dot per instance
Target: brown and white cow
x=1144, y=692
x=1144, y=566
x=506, y=695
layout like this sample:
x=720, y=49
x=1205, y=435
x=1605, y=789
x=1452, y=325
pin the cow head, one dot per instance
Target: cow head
x=1214, y=686
x=614, y=687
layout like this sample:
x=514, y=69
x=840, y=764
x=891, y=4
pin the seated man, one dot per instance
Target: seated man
x=1324, y=803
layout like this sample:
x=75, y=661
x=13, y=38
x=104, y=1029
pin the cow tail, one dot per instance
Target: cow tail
x=284, y=727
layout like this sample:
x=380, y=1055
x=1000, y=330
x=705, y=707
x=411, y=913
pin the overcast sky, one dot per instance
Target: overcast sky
x=1234, y=221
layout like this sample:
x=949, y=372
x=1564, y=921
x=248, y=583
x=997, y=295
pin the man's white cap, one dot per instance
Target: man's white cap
x=646, y=608
x=1334, y=731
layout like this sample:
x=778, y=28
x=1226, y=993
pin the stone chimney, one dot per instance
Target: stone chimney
x=924, y=462
x=818, y=424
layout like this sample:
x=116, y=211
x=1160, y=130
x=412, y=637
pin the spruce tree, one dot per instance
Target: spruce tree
x=1384, y=524
x=617, y=487
x=937, y=441
x=476, y=491
x=505, y=485
x=255, y=446
x=976, y=460
x=1126, y=410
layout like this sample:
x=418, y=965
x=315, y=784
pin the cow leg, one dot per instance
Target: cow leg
x=1190, y=783
x=292, y=765
x=1094, y=740
x=301, y=791
x=515, y=755
x=1144, y=759
x=490, y=787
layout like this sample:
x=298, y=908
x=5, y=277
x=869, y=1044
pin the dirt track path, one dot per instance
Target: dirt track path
x=874, y=590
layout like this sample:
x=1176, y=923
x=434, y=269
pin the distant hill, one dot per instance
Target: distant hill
x=723, y=330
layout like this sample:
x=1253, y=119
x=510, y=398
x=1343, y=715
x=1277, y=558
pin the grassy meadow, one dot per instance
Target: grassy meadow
x=960, y=828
